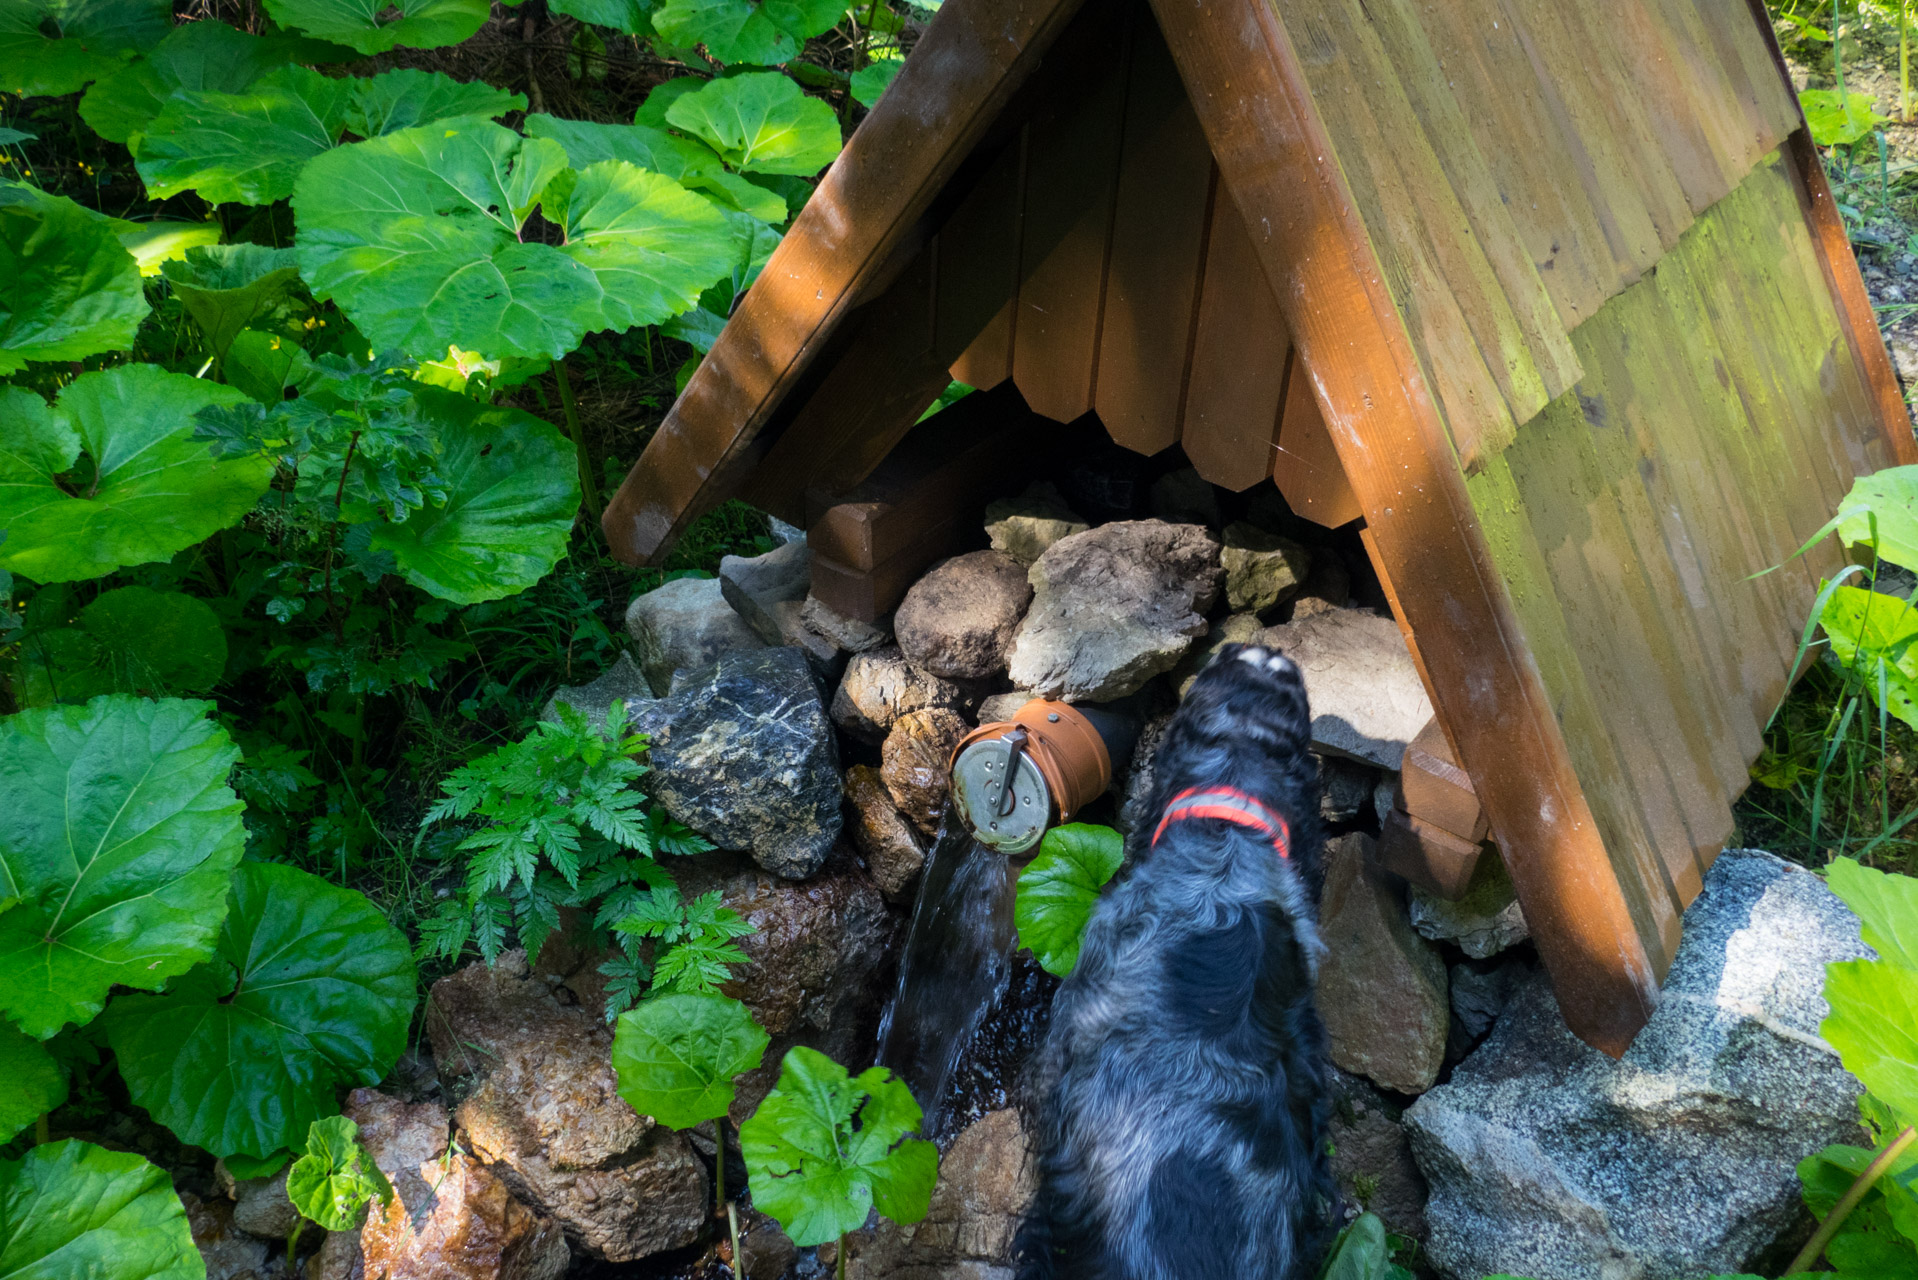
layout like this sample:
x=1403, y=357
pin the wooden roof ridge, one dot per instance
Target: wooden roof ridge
x=971, y=60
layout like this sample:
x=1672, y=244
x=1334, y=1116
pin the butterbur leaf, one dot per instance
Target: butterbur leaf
x=336, y=1179
x=264, y=365
x=150, y=488
x=760, y=123
x=731, y=30
x=822, y=1150
x=154, y=244
x=1876, y=636
x=73, y=1209
x=1059, y=889
x=404, y=99
x=374, y=26
x=1882, y=511
x=1360, y=1252
x=311, y=991
x=1874, y=1027
x=687, y=161
x=872, y=81
x=1886, y=907
x=36, y=1084
x=512, y=494
x=661, y=97
x=651, y=244
x=118, y=835
x=57, y=46
x=225, y=287
x=1838, y=119
x=198, y=56
x=68, y=288
x=246, y=147
x=676, y=1056
x=634, y=17
x=129, y=640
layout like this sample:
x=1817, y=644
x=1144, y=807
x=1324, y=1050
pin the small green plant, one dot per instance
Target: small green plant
x=1059, y=889
x=1362, y=1251
x=824, y=1149
x=334, y=1182
x=697, y=938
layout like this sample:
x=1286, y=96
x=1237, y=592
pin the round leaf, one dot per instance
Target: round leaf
x=68, y=288
x=408, y=98
x=130, y=640
x=153, y=244
x=1886, y=907
x=35, y=1082
x=374, y=26
x=56, y=46
x=224, y=287
x=1874, y=1027
x=870, y=82
x=512, y=494
x=687, y=161
x=117, y=836
x=817, y=1168
x=150, y=489
x=246, y=147
x=200, y=56
x=1059, y=889
x=1882, y=511
x=676, y=1056
x=731, y=30
x=335, y=1180
x=651, y=244
x=760, y=123
x=311, y=990
x=71, y=1209
x=634, y=17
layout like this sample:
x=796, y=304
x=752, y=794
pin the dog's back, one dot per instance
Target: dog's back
x=1182, y=1082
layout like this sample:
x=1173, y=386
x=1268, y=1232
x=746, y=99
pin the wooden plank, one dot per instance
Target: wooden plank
x=967, y=65
x=1254, y=100
x=1158, y=238
x=1306, y=467
x=979, y=273
x=1239, y=352
x=1071, y=175
x=1434, y=789
x=1427, y=855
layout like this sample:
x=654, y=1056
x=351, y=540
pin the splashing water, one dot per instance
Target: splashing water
x=956, y=966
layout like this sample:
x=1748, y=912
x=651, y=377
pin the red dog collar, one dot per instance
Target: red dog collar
x=1228, y=805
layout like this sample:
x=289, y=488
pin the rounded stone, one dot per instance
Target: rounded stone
x=958, y=621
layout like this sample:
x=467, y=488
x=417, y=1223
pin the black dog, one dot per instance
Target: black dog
x=1182, y=1084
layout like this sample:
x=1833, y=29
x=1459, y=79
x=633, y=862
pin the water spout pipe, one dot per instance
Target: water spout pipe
x=1014, y=778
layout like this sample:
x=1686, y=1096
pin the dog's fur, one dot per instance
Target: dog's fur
x=1182, y=1086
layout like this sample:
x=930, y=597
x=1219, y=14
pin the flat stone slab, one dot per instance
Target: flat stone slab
x=1366, y=696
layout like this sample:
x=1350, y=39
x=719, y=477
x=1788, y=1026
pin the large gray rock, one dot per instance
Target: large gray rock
x=543, y=1111
x=744, y=755
x=850, y=634
x=1115, y=606
x=880, y=686
x=1549, y=1159
x=1367, y=699
x=261, y=1207
x=752, y=585
x=623, y=682
x=1484, y=922
x=986, y=1184
x=957, y=621
x=1262, y=570
x=1381, y=986
x=1026, y=526
x=684, y=624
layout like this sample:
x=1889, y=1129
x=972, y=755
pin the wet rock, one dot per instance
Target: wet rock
x=1136, y=789
x=915, y=763
x=752, y=585
x=623, y=682
x=1345, y=788
x=339, y=1258
x=1115, y=606
x=986, y=1183
x=1484, y=922
x=880, y=686
x=1185, y=497
x=1022, y=528
x=744, y=755
x=261, y=1208
x=957, y=621
x=1234, y=628
x=544, y=1114
x=1372, y=1158
x=886, y=840
x=1001, y=707
x=450, y=1218
x=1381, y=986
x=1549, y=1159
x=765, y=1252
x=815, y=957
x=229, y=1253
x=850, y=634
x=684, y=624
x=1262, y=570
x=1367, y=699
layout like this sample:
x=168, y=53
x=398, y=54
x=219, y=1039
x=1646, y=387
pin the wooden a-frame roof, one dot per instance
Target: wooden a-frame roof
x=1563, y=284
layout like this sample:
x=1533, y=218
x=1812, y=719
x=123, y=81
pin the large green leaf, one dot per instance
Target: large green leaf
x=676, y=1056
x=117, y=836
x=416, y=235
x=154, y=244
x=374, y=26
x=1876, y=635
x=1882, y=511
x=1886, y=906
x=1059, y=889
x=512, y=495
x=870, y=82
x=130, y=640
x=149, y=488
x=634, y=17
x=686, y=161
x=823, y=1150
x=741, y=31
x=74, y=1211
x=68, y=288
x=225, y=287
x=1838, y=119
x=35, y=1083
x=760, y=123
x=311, y=991
x=1874, y=1027
x=56, y=46
x=247, y=147
x=406, y=99
x=199, y=56
x=336, y=1179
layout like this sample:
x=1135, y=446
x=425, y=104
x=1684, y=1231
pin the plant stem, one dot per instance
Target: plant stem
x=1849, y=1201
x=1837, y=54
x=732, y=1226
x=1904, y=60
x=839, y=1259
x=293, y=1241
x=587, y=489
x=719, y=1173
x=42, y=1131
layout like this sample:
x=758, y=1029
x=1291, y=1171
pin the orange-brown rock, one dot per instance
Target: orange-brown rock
x=892, y=850
x=986, y=1183
x=915, y=763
